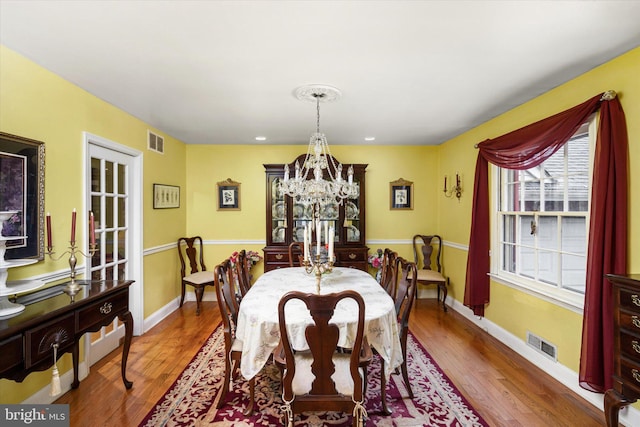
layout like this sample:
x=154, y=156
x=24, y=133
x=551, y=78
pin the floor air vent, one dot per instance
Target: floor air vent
x=543, y=346
x=155, y=142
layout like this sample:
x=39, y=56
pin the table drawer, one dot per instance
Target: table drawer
x=102, y=311
x=40, y=340
x=10, y=353
x=630, y=373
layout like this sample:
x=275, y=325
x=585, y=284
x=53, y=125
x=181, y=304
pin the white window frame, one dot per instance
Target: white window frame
x=565, y=298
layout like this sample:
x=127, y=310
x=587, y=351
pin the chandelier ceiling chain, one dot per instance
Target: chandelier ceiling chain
x=319, y=191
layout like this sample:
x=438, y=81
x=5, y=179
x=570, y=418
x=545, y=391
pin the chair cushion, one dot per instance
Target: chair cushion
x=430, y=276
x=236, y=345
x=342, y=376
x=200, y=277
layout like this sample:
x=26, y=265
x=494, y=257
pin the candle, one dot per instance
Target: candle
x=457, y=180
x=318, y=235
x=331, y=236
x=445, y=183
x=92, y=229
x=73, y=226
x=49, y=245
x=306, y=242
x=326, y=232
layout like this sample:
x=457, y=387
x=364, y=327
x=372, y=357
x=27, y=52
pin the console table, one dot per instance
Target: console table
x=52, y=316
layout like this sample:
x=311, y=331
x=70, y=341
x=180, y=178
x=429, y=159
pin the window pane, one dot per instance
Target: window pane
x=108, y=178
x=547, y=231
x=554, y=194
x=526, y=238
x=95, y=174
x=508, y=248
x=548, y=267
x=574, y=235
x=574, y=274
x=121, y=179
x=578, y=171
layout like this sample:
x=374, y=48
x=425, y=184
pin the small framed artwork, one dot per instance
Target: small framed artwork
x=228, y=195
x=401, y=194
x=166, y=196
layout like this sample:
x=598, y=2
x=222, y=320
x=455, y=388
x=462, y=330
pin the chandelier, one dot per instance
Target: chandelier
x=318, y=181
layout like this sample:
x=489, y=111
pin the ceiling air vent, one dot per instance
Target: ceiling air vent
x=543, y=346
x=155, y=142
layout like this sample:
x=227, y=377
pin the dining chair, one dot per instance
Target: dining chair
x=228, y=305
x=405, y=297
x=427, y=275
x=242, y=270
x=296, y=252
x=388, y=275
x=323, y=378
x=190, y=252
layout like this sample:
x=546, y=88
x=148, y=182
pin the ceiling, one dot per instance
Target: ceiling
x=410, y=72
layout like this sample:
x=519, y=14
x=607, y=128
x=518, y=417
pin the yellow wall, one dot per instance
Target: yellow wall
x=511, y=309
x=37, y=104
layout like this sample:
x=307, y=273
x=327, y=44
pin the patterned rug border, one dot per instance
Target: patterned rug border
x=190, y=400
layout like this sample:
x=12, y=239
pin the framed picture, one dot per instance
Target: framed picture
x=401, y=195
x=166, y=196
x=22, y=190
x=228, y=195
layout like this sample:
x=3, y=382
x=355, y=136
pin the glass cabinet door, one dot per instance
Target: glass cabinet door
x=278, y=213
x=302, y=215
x=352, y=219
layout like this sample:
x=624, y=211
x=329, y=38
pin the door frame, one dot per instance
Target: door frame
x=136, y=290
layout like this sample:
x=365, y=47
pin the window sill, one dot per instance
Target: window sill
x=566, y=299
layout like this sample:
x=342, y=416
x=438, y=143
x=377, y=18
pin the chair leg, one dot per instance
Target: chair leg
x=252, y=386
x=225, y=382
x=183, y=292
x=405, y=373
x=383, y=390
x=199, y=293
x=445, y=290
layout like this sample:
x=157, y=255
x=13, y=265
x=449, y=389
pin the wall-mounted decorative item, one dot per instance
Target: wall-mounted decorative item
x=22, y=190
x=455, y=189
x=166, y=196
x=401, y=194
x=228, y=195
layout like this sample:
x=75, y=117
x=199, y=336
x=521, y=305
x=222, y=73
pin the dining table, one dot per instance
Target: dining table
x=258, y=328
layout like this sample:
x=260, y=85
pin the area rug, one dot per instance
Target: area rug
x=190, y=401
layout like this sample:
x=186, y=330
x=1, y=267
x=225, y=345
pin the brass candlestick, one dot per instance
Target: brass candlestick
x=72, y=288
x=318, y=267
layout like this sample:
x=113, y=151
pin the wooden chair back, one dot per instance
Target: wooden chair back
x=296, y=254
x=191, y=256
x=389, y=272
x=322, y=339
x=425, y=243
x=243, y=265
x=226, y=296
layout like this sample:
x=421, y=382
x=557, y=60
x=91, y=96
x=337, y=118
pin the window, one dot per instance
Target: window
x=542, y=222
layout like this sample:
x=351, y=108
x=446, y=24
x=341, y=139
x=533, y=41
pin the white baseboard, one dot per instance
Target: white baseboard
x=41, y=397
x=629, y=416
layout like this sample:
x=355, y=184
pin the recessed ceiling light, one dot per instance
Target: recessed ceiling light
x=370, y=138
x=261, y=138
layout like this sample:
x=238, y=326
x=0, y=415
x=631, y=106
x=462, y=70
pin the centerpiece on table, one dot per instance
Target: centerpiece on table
x=375, y=261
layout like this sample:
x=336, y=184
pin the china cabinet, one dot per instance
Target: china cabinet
x=286, y=221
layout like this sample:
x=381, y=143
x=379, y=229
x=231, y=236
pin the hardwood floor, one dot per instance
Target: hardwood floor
x=503, y=387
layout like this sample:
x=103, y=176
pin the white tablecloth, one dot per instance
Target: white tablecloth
x=258, y=318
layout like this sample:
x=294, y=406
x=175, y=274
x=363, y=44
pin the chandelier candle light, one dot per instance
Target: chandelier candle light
x=73, y=288
x=318, y=182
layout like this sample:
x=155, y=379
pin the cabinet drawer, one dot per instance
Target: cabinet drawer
x=10, y=353
x=630, y=300
x=630, y=321
x=277, y=258
x=40, y=340
x=630, y=346
x=102, y=311
x=630, y=373
x=353, y=256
